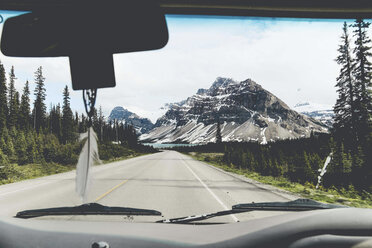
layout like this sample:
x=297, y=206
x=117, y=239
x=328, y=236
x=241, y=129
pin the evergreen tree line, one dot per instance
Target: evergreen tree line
x=352, y=128
x=299, y=160
x=112, y=130
x=31, y=134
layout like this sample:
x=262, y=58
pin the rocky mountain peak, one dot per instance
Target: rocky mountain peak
x=120, y=113
x=141, y=125
x=201, y=91
x=222, y=82
x=251, y=85
x=246, y=109
x=217, y=86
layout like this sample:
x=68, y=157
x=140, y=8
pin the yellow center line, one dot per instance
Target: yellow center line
x=108, y=192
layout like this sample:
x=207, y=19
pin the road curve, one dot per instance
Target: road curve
x=170, y=182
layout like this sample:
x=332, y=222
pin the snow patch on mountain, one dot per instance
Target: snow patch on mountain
x=320, y=112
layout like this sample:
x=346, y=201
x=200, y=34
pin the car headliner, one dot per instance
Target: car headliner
x=264, y=8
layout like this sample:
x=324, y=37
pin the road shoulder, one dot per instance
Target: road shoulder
x=281, y=192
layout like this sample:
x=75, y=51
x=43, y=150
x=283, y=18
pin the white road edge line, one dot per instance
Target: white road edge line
x=211, y=192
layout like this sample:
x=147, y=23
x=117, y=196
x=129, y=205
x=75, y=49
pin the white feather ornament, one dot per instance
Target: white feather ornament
x=88, y=156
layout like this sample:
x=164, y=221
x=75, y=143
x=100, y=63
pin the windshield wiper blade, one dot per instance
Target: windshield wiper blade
x=86, y=209
x=296, y=205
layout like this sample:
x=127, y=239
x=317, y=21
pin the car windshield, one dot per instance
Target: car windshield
x=233, y=110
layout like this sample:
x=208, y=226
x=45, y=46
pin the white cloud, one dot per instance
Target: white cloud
x=282, y=56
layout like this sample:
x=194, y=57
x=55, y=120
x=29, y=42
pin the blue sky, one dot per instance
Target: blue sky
x=292, y=59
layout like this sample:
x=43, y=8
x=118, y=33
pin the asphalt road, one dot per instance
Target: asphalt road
x=169, y=182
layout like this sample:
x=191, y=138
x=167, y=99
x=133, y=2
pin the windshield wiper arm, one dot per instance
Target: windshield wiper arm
x=192, y=218
x=86, y=209
x=296, y=205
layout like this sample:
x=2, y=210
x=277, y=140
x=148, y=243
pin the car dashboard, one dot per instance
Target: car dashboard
x=350, y=227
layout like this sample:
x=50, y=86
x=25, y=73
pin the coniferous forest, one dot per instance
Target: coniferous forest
x=33, y=134
x=348, y=144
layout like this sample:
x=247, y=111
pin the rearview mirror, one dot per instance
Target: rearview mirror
x=82, y=30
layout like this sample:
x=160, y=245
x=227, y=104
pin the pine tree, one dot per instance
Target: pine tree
x=362, y=74
x=125, y=134
x=359, y=174
x=24, y=110
x=346, y=161
x=39, y=111
x=67, y=118
x=101, y=120
x=10, y=151
x=3, y=162
x=2, y=143
x=58, y=122
x=13, y=111
x=76, y=122
x=21, y=148
x=82, y=124
x=343, y=126
x=39, y=138
x=16, y=105
x=32, y=153
x=55, y=121
x=95, y=121
x=3, y=99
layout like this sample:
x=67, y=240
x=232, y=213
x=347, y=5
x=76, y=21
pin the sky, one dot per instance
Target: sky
x=293, y=59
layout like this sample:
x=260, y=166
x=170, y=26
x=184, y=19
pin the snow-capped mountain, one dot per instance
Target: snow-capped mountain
x=321, y=112
x=246, y=111
x=142, y=125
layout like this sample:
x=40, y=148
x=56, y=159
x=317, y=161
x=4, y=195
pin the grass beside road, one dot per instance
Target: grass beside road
x=349, y=197
x=17, y=173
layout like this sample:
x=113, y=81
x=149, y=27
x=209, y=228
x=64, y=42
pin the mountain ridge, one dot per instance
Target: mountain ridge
x=246, y=111
x=141, y=125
